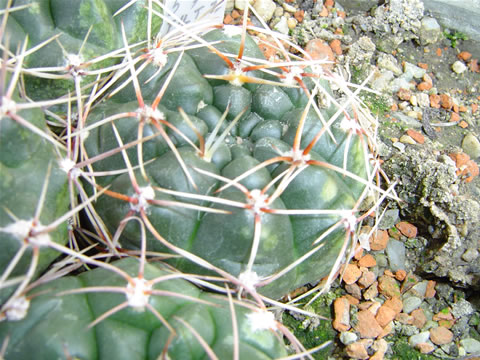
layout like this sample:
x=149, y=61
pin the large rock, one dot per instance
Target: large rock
x=460, y=15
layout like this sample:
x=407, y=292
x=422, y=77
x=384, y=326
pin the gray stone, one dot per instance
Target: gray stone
x=388, y=62
x=381, y=81
x=407, y=120
x=430, y=324
x=358, y=5
x=460, y=15
x=471, y=345
x=413, y=71
x=382, y=261
x=396, y=254
x=462, y=308
x=430, y=31
x=471, y=145
x=470, y=255
x=411, y=303
x=419, y=338
x=265, y=9
x=400, y=146
x=419, y=289
x=389, y=219
x=402, y=82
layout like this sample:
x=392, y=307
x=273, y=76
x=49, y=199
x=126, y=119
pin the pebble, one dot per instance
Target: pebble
x=464, y=55
x=471, y=145
x=240, y=4
x=388, y=62
x=384, y=315
x=470, y=255
x=441, y=335
x=423, y=100
x=319, y=50
x=407, y=229
x=388, y=286
x=289, y=8
x=415, y=135
x=419, y=289
x=371, y=292
x=413, y=71
x=282, y=26
x=352, y=274
x=414, y=114
x=341, y=308
x=413, y=100
x=459, y=67
x=357, y=350
x=407, y=140
x=367, y=326
x=462, y=308
x=430, y=291
x=292, y=23
x=396, y=253
x=407, y=120
x=389, y=219
x=398, y=145
x=471, y=345
x=367, y=261
x=425, y=348
x=367, y=279
x=411, y=303
x=422, y=337
x=265, y=9
x=348, y=337
x=354, y=290
x=419, y=318
x=430, y=31
x=277, y=13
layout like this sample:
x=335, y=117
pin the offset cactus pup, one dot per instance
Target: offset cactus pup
x=62, y=315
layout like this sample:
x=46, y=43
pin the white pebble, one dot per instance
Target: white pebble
x=459, y=67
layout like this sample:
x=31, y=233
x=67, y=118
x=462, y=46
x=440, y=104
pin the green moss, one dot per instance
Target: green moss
x=403, y=351
x=376, y=103
x=312, y=333
x=454, y=37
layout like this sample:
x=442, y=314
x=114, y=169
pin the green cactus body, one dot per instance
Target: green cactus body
x=56, y=326
x=266, y=129
x=199, y=146
x=87, y=30
x=24, y=160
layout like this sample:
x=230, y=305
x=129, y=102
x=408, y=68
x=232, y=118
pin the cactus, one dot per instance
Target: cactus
x=33, y=194
x=275, y=180
x=56, y=325
x=193, y=151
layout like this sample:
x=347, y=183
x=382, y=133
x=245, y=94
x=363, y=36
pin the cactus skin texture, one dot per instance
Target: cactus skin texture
x=267, y=129
x=86, y=29
x=56, y=325
x=25, y=158
x=191, y=152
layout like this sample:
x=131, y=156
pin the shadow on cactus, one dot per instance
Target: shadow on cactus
x=191, y=153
